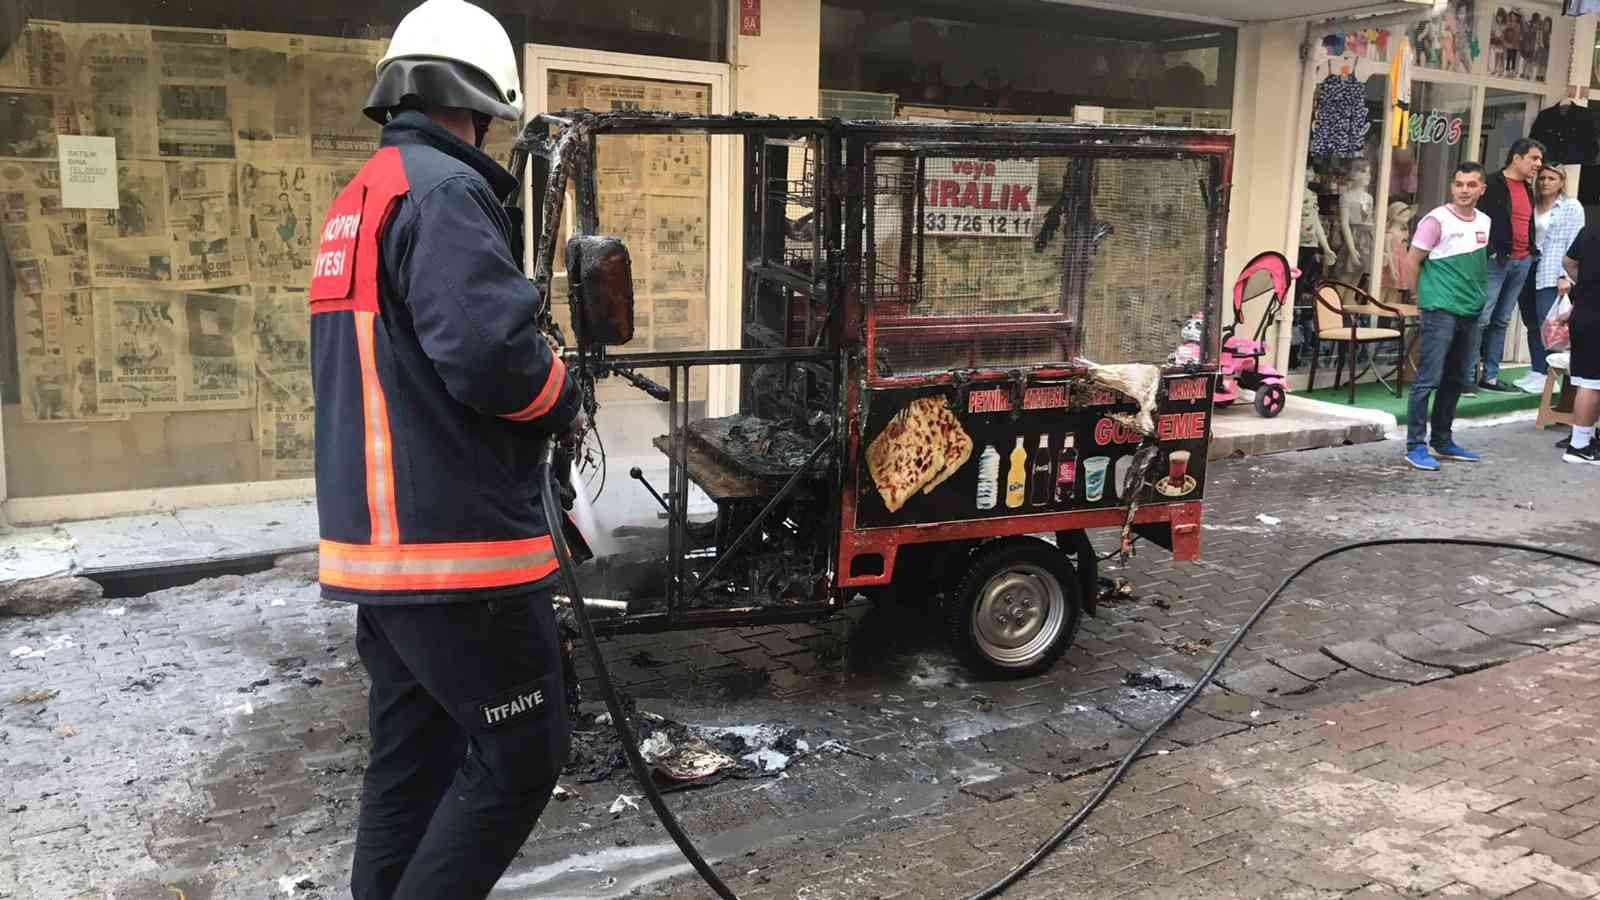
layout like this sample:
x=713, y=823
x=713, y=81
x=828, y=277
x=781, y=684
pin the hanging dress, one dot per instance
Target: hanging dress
x=1340, y=122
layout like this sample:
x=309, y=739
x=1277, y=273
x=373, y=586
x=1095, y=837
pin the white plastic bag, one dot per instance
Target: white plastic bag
x=1556, y=335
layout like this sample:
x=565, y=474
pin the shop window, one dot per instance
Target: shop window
x=156, y=329
x=1420, y=173
x=1449, y=39
x=1338, y=220
x=1479, y=37
x=1005, y=56
x=653, y=191
x=681, y=29
x=1507, y=116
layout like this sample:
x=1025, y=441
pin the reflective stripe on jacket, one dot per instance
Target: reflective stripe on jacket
x=433, y=382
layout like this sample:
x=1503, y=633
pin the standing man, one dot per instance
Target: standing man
x=1508, y=199
x=434, y=391
x=1450, y=251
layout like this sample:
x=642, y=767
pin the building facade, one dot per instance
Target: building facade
x=163, y=168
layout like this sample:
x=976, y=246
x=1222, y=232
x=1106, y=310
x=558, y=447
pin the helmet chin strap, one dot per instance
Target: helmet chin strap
x=480, y=128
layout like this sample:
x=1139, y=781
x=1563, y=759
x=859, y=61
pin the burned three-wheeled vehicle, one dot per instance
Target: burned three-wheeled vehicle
x=948, y=365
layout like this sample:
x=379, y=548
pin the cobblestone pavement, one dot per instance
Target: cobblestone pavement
x=1487, y=785
x=211, y=738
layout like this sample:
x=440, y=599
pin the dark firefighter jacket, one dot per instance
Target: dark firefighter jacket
x=433, y=383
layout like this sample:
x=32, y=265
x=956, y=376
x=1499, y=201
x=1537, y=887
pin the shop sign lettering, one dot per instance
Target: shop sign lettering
x=1052, y=396
x=1100, y=397
x=980, y=197
x=1181, y=426
x=1110, y=431
x=1188, y=389
x=1435, y=128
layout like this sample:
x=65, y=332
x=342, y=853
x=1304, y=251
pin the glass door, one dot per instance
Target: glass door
x=1341, y=204
x=1439, y=139
x=1507, y=116
x=666, y=196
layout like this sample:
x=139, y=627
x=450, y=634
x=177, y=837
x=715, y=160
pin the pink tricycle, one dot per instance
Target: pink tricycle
x=1242, y=358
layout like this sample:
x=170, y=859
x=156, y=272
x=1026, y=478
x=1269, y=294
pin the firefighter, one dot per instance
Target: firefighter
x=434, y=391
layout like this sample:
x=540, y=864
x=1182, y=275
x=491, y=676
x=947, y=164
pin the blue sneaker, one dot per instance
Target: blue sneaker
x=1456, y=452
x=1420, y=458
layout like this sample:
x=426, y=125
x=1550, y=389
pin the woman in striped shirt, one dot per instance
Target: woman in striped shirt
x=1557, y=219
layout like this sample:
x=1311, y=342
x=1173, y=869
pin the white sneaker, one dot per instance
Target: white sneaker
x=1532, y=382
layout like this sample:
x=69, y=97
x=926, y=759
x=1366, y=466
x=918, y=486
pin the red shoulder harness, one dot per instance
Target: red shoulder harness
x=345, y=273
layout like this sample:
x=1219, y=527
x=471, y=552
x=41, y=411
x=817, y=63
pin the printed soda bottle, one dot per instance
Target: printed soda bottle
x=1066, y=470
x=988, y=477
x=1017, y=477
x=1039, y=473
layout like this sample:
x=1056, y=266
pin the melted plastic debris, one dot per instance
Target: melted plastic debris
x=683, y=755
x=1140, y=382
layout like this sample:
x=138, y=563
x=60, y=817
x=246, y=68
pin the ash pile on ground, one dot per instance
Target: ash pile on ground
x=681, y=755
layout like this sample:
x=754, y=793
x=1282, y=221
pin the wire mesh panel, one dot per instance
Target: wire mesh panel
x=1001, y=261
x=1150, y=274
x=786, y=272
x=791, y=173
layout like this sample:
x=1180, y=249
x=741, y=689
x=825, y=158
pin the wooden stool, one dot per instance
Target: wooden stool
x=1556, y=411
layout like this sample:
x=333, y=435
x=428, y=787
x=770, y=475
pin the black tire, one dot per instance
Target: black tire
x=1039, y=586
x=1270, y=400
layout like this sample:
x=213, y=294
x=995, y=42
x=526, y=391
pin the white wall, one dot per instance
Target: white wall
x=1266, y=116
x=779, y=72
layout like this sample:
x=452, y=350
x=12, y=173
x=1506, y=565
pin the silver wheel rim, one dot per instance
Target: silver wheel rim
x=1019, y=615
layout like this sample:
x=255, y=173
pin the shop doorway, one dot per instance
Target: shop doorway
x=1507, y=116
x=668, y=197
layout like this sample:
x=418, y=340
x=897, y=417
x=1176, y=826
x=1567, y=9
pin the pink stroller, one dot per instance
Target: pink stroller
x=1242, y=367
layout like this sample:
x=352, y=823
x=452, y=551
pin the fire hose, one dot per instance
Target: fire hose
x=641, y=771
x=619, y=716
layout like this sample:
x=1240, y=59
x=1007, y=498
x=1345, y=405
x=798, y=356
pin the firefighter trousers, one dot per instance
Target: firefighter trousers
x=469, y=730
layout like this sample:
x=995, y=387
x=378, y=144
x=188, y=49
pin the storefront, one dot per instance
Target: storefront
x=1478, y=75
x=162, y=167
x=1001, y=61
x=162, y=170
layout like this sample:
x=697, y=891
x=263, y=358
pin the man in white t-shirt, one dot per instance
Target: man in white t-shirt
x=1450, y=256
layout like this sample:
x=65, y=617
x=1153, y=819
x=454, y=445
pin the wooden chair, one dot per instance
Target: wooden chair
x=1404, y=303
x=1555, y=406
x=1341, y=322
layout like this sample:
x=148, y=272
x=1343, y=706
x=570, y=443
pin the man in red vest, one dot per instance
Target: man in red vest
x=434, y=391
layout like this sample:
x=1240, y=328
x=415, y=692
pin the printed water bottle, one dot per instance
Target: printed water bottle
x=1017, y=477
x=988, y=477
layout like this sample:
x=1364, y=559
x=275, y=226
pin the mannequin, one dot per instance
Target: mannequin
x=1397, y=244
x=1355, y=222
x=1313, y=237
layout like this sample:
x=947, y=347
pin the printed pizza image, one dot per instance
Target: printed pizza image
x=923, y=445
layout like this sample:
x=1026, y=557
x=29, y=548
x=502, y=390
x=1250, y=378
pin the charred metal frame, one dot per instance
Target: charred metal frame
x=557, y=151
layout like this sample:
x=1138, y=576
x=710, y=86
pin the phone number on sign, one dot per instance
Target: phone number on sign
x=958, y=223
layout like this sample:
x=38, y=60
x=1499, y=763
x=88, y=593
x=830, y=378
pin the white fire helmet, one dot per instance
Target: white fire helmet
x=450, y=31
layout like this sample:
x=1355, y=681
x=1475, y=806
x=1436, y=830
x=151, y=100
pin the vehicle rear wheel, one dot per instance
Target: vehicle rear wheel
x=1017, y=608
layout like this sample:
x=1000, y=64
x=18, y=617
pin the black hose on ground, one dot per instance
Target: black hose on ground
x=1065, y=831
x=619, y=718
x=630, y=743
